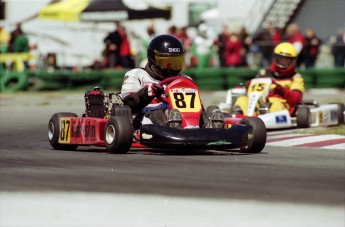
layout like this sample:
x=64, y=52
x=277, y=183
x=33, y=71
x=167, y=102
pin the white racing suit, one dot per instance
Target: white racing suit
x=134, y=93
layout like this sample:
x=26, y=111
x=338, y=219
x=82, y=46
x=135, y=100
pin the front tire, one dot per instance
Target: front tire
x=54, y=132
x=257, y=138
x=118, y=135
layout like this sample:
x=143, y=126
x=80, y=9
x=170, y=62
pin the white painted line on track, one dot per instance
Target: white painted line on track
x=291, y=138
x=280, y=136
x=107, y=209
x=281, y=132
x=340, y=146
x=303, y=140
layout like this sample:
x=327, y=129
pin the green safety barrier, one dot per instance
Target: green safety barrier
x=324, y=78
x=13, y=81
x=207, y=79
x=112, y=79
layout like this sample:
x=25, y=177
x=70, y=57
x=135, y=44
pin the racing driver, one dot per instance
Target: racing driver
x=141, y=85
x=287, y=85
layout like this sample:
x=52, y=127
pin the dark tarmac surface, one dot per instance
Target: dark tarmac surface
x=278, y=175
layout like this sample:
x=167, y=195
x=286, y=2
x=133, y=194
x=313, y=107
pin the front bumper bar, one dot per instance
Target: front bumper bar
x=159, y=136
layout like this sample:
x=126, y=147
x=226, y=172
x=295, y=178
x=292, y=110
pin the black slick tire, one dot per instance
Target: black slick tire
x=257, y=138
x=54, y=132
x=118, y=135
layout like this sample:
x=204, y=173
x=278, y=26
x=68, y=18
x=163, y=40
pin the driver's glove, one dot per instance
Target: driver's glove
x=277, y=89
x=155, y=90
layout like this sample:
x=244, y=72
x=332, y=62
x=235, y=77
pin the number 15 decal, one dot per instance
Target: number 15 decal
x=186, y=101
x=258, y=87
x=64, y=136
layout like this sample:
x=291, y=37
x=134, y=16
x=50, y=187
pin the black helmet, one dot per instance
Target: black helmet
x=166, y=55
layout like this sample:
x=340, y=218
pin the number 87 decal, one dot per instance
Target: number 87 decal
x=186, y=101
x=64, y=136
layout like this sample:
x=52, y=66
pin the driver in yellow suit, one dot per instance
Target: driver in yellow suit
x=287, y=85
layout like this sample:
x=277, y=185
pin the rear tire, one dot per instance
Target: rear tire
x=210, y=109
x=303, y=116
x=54, y=132
x=341, y=113
x=256, y=139
x=118, y=135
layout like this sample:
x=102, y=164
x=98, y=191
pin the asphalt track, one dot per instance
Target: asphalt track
x=282, y=186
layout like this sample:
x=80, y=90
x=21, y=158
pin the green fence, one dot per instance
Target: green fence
x=207, y=79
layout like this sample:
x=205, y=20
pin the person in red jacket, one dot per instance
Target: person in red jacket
x=287, y=85
x=234, y=51
x=295, y=37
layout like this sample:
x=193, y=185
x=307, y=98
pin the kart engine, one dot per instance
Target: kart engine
x=95, y=103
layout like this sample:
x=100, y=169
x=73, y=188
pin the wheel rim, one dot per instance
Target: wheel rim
x=250, y=141
x=110, y=134
x=51, y=131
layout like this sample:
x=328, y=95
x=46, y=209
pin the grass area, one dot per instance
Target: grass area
x=338, y=130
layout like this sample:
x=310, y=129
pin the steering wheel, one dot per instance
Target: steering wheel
x=168, y=80
x=171, y=79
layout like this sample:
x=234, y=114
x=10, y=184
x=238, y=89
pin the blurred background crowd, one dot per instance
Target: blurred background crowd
x=226, y=49
x=229, y=46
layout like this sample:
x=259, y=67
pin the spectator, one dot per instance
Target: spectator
x=246, y=42
x=144, y=43
x=202, y=49
x=19, y=43
x=266, y=39
x=172, y=30
x=312, y=46
x=186, y=42
x=112, y=46
x=183, y=36
x=338, y=50
x=223, y=37
x=296, y=38
x=234, y=51
x=4, y=39
x=125, y=55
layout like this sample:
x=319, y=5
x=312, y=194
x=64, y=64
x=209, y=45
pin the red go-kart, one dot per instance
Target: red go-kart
x=111, y=124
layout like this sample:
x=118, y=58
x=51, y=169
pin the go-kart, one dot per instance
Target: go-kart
x=111, y=124
x=307, y=114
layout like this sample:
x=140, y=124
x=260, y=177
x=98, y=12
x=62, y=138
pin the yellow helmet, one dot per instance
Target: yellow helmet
x=285, y=49
x=285, y=56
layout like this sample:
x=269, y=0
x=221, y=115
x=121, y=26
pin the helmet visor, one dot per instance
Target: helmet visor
x=284, y=62
x=170, y=62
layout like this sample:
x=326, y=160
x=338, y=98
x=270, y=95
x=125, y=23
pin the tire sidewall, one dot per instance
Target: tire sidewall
x=54, y=142
x=303, y=116
x=257, y=144
x=123, y=135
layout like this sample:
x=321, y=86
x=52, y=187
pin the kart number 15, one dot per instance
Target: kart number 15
x=258, y=87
